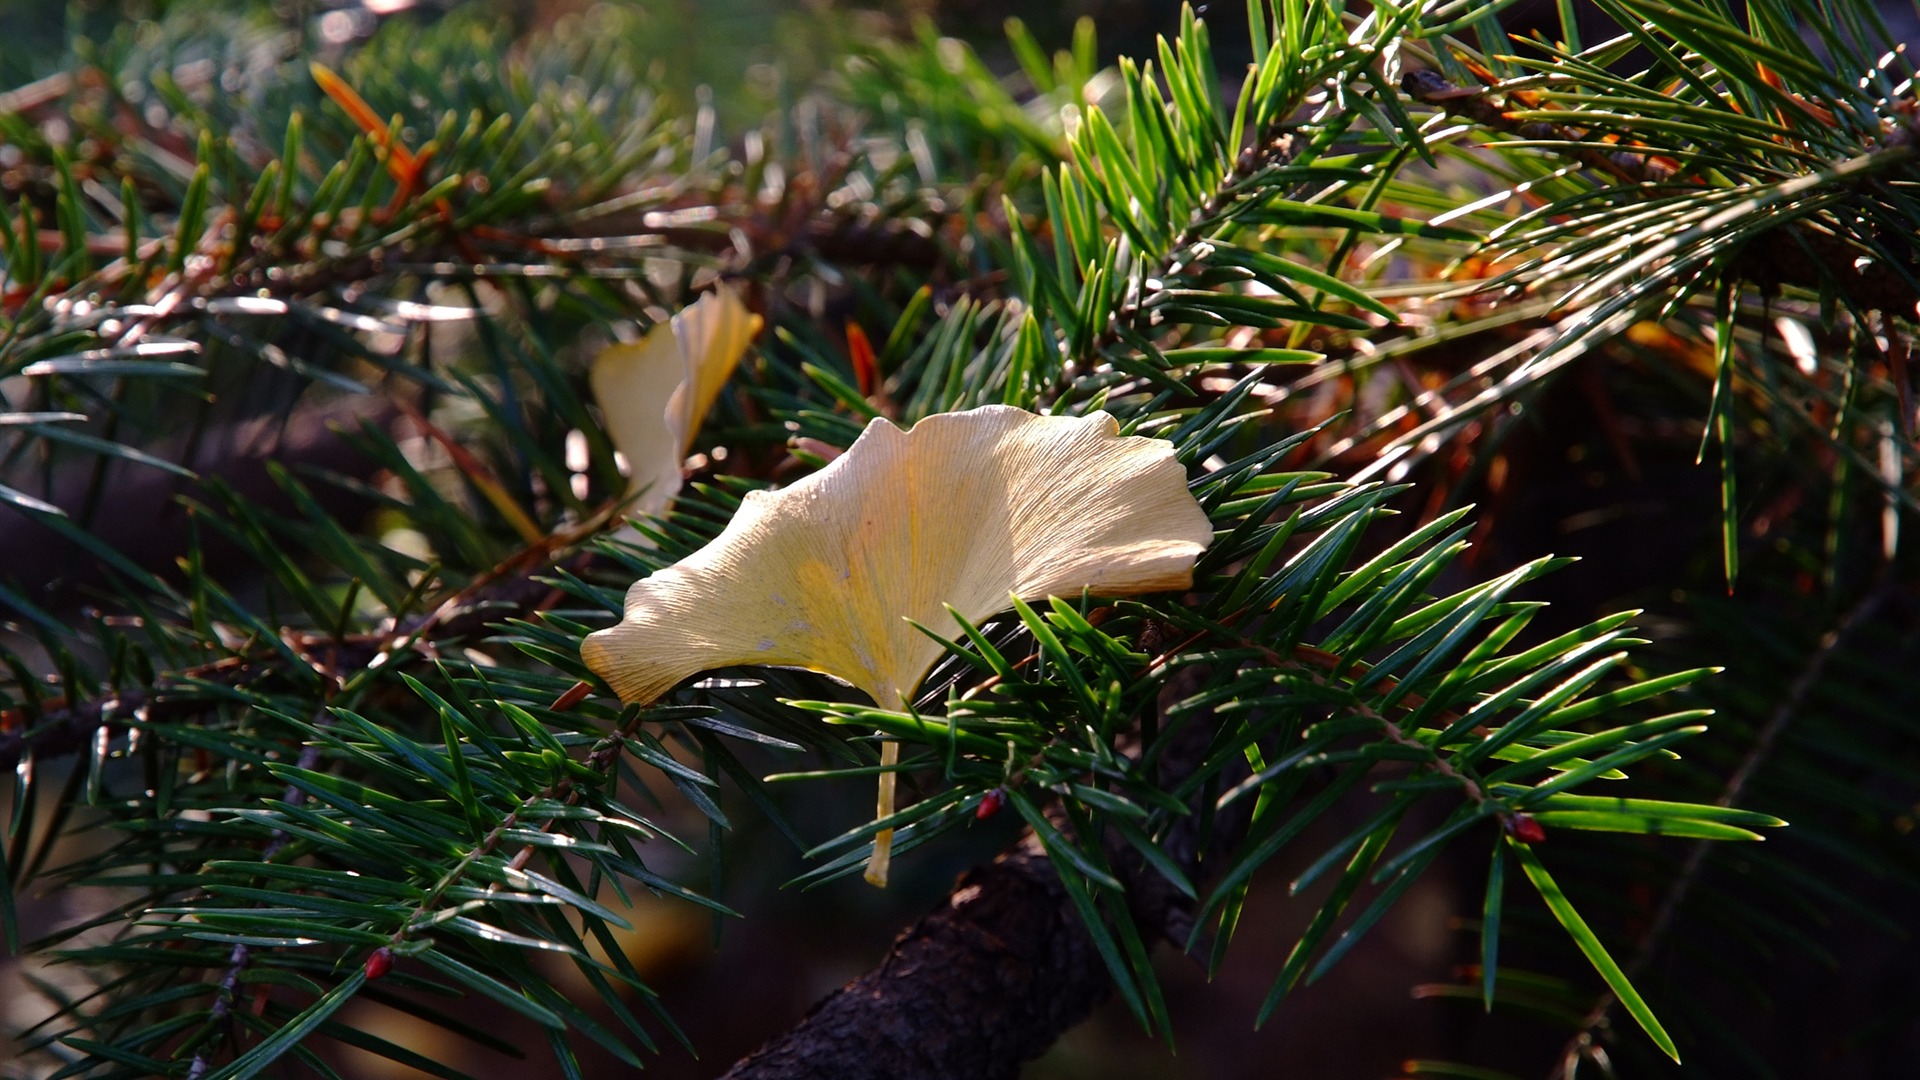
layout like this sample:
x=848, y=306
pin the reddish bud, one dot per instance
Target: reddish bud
x=990, y=804
x=380, y=962
x=865, y=367
x=1525, y=829
x=575, y=694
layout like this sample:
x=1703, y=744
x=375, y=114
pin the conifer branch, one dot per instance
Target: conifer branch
x=238, y=959
x=1162, y=750
x=512, y=590
x=1667, y=915
x=1796, y=253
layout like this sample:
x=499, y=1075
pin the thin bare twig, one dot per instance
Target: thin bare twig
x=242, y=955
x=509, y=590
x=1790, y=254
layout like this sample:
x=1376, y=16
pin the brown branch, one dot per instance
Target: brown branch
x=601, y=759
x=985, y=982
x=508, y=591
x=1485, y=108
x=1004, y=966
x=1799, y=254
x=242, y=955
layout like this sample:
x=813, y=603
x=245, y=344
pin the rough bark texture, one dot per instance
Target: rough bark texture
x=985, y=982
x=1004, y=966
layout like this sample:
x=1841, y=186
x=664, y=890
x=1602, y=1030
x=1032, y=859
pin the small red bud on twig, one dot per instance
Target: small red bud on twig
x=1525, y=829
x=379, y=963
x=990, y=804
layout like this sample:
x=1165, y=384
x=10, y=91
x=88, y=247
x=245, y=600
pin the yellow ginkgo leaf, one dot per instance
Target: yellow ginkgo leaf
x=654, y=393
x=966, y=509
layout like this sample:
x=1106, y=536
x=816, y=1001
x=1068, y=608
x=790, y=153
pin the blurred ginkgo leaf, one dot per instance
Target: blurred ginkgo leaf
x=653, y=393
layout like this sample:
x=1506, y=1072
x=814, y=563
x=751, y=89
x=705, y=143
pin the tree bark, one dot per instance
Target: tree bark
x=988, y=980
x=1004, y=966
